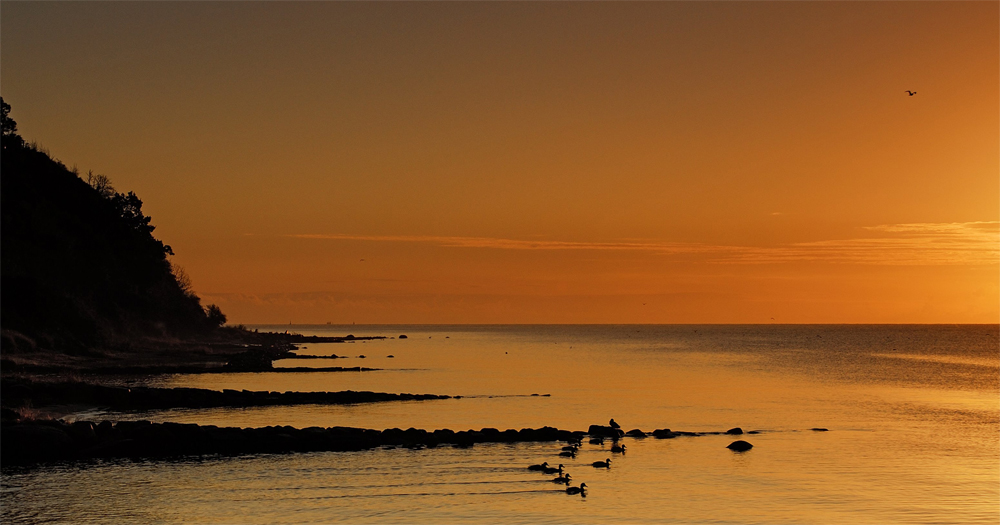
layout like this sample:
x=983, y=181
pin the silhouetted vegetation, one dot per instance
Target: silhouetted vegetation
x=80, y=266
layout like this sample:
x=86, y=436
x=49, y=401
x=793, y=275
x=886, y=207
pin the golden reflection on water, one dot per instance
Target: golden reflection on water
x=898, y=450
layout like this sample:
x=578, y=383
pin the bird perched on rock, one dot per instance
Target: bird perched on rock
x=581, y=490
x=613, y=424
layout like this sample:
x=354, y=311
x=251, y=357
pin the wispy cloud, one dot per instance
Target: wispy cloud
x=891, y=244
x=518, y=244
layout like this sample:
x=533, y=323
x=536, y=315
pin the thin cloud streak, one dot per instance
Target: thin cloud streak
x=517, y=244
x=974, y=243
x=911, y=244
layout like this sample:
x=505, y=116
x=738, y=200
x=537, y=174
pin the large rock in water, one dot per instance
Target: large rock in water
x=603, y=431
x=737, y=431
x=739, y=446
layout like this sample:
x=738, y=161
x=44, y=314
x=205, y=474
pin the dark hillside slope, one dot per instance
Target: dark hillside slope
x=80, y=267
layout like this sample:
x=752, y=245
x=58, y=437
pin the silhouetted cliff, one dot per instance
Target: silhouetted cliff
x=80, y=266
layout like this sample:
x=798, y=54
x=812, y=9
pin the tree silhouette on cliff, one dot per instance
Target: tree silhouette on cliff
x=79, y=266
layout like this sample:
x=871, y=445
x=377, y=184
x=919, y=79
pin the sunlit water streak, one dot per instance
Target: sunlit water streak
x=913, y=413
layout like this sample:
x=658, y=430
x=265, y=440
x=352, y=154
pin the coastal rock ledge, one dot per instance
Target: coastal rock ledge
x=28, y=442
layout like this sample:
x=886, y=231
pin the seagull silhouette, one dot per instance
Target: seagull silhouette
x=911, y=92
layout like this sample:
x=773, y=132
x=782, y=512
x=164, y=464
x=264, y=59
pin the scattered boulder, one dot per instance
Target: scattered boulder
x=819, y=429
x=636, y=433
x=402, y=336
x=664, y=433
x=737, y=431
x=739, y=446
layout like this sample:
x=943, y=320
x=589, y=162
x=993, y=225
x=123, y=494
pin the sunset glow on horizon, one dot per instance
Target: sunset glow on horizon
x=540, y=162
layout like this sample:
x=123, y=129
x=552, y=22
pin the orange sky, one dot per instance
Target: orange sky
x=540, y=162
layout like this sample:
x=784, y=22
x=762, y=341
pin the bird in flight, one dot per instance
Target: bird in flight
x=911, y=93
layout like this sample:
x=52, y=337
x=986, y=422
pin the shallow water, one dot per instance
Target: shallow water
x=913, y=413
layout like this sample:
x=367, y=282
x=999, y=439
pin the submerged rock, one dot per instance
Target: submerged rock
x=739, y=446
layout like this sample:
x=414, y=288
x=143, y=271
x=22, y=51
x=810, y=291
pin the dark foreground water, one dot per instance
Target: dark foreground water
x=913, y=414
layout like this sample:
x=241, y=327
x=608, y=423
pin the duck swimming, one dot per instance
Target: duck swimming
x=543, y=466
x=616, y=448
x=550, y=470
x=568, y=454
x=562, y=479
x=582, y=489
x=571, y=448
x=602, y=464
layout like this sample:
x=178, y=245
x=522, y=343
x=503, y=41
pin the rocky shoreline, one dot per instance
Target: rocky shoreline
x=32, y=442
x=243, y=352
x=16, y=394
x=27, y=442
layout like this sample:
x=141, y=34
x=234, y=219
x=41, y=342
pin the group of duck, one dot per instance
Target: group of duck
x=570, y=451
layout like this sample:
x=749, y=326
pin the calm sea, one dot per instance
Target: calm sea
x=913, y=414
